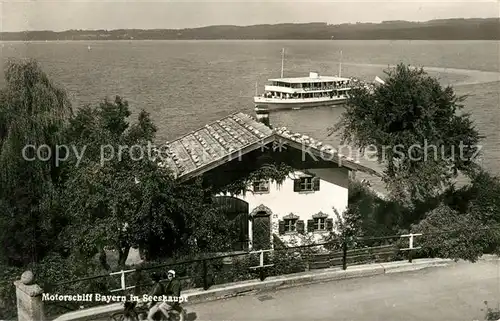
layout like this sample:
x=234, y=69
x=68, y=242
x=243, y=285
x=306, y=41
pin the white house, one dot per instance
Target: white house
x=301, y=207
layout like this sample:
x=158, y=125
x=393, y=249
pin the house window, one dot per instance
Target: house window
x=290, y=225
x=261, y=186
x=306, y=184
x=320, y=224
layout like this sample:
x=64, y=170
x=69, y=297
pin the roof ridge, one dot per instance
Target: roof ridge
x=312, y=142
x=207, y=124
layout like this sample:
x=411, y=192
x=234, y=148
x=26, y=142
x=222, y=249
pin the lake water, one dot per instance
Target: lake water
x=185, y=84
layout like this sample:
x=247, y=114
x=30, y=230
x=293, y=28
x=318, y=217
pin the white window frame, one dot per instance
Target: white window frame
x=306, y=184
x=290, y=223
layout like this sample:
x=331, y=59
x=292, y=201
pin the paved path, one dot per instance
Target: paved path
x=450, y=293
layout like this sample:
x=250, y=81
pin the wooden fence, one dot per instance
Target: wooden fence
x=353, y=257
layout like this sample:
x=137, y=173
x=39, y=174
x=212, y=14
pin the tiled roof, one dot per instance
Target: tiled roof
x=228, y=138
x=326, y=152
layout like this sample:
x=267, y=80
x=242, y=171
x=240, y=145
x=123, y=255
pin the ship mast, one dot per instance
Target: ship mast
x=282, y=61
x=340, y=64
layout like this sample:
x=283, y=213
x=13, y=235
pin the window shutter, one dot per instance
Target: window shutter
x=315, y=182
x=329, y=224
x=300, y=226
x=296, y=185
x=310, y=225
x=281, y=227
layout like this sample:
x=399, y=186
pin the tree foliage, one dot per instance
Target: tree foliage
x=82, y=205
x=33, y=111
x=450, y=234
x=412, y=109
x=129, y=199
x=413, y=126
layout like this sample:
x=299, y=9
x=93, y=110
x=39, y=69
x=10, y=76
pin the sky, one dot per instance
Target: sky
x=61, y=15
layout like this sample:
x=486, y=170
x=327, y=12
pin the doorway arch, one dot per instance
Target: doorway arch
x=261, y=228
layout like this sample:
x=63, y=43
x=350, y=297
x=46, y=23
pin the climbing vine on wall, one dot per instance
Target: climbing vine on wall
x=236, y=177
x=274, y=172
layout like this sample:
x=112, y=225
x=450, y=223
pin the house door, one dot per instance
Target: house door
x=235, y=210
x=261, y=231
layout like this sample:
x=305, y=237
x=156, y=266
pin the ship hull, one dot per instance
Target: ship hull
x=289, y=104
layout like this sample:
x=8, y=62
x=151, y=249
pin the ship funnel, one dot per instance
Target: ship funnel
x=313, y=75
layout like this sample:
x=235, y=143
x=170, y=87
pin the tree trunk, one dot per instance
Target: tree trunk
x=103, y=260
x=122, y=256
x=142, y=253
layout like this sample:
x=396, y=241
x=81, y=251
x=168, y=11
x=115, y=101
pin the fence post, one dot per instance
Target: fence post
x=411, y=248
x=344, y=254
x=29, y=299
x=205, y=275
x=227, y=263
x=122, y=280
x=138, y=279
x=122, y=273
x=262, y=273
x=410, y=252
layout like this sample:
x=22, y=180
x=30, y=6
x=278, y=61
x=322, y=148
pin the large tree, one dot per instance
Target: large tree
x=418, y=132
x=119, y=195
x=415, y=128
x=33, y=111
x=90, y=199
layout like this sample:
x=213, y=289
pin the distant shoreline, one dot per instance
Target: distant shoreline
x=249, y=40
x=443, y=30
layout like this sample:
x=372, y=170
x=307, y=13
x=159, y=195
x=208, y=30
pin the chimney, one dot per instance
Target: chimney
x=262, y=112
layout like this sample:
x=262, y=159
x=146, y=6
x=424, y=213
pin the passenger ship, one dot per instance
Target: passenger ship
x=303, y=92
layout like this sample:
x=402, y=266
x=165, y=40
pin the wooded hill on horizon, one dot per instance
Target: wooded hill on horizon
x=442, y=29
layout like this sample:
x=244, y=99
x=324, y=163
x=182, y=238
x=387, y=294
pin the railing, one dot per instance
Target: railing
x=205, y=272
x=382, y=253
x=326, y=88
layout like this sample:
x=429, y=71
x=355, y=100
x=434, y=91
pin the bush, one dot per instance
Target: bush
x=191, y=274
x=285, y=262
x=289, y=261
x=240, y=269
x=55, y=269
x=491, y=314
x=8, y=304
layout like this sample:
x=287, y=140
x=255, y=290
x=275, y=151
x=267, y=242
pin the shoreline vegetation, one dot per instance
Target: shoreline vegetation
x=61, y=222
x=442, y=29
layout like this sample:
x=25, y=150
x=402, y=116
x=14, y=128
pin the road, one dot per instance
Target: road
x=456, y=292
